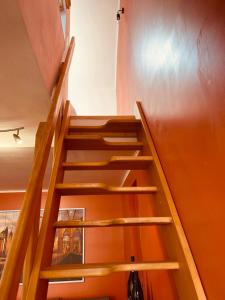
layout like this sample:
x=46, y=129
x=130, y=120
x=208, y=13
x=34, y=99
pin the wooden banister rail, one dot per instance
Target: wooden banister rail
x=68, y=4
x=15, y=260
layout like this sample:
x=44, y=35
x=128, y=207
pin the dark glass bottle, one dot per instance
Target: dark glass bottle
x=135, y=291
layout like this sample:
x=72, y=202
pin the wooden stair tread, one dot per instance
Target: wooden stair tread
x=97, y=142
x=112, y=125
x=111, y=134
x=100, y=189
x=115, y=222
x=106, y=117
x=115, y=163
x=90, y=270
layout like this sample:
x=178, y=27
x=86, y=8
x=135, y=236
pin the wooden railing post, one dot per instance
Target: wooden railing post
x=29, y=259
x=57, y=130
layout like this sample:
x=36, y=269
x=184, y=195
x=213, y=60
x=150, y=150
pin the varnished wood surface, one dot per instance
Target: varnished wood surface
x=100, y=189
x=107, y=117
x=115, y=222
x=37, y=288
x=68, y=4
x=95, y=142
x=93, y=270
x=106, y=134
x=15, y=259
x=112, y=125
x=115, y=163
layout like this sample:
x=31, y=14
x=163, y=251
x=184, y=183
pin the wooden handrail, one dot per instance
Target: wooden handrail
x=68, y=4
x=15, y=260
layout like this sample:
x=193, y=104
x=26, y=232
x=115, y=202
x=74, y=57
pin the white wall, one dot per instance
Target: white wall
x=92, y=80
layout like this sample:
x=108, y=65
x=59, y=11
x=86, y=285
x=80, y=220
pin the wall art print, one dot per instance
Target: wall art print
x=68, y=244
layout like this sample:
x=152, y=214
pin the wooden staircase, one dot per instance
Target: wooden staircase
x=88, y=138
x=118, y=133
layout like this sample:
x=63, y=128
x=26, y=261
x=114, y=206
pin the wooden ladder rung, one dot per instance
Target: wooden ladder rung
x=118, y=117
x=93, y=270
x=115, y=222
x=115, y=163
x=112, y=125
x=110, y=134
x=100, y=189
x=96, y=142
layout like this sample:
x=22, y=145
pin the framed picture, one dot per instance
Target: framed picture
x=68, y=245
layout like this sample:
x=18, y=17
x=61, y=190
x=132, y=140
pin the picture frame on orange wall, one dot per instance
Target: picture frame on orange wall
x=68, y=245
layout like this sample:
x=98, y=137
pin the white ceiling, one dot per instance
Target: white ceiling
x=24, y=99
x=15, y=168
x=92, y=81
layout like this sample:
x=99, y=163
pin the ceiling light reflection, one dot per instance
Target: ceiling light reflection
x=161, y=54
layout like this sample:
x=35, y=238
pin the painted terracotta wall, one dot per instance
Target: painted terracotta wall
x=101, y=245
x=43, y=23
x=146, y=242
x=171, y=56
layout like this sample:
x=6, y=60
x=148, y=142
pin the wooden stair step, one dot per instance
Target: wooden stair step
x=92, y=117
x=110, y=134
x=93, y=270
x=112, y=125
x=96, y=142
x=115, y=163
x=100, y=189
x=115, y=222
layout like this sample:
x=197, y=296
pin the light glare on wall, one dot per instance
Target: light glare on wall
x=161, y=54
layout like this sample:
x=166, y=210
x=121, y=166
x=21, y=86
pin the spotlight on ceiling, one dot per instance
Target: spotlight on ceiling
x=119, y=12
x=16, y=135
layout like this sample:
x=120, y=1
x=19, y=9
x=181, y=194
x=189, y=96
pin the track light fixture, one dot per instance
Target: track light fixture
x=119, y=12
x=16, y=135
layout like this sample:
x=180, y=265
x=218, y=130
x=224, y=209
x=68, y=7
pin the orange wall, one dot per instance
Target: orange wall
x=101, y=245
x=43, y=23
x=145, y=242
x=171, y=56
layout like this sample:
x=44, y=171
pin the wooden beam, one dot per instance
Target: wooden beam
x=94, y=270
